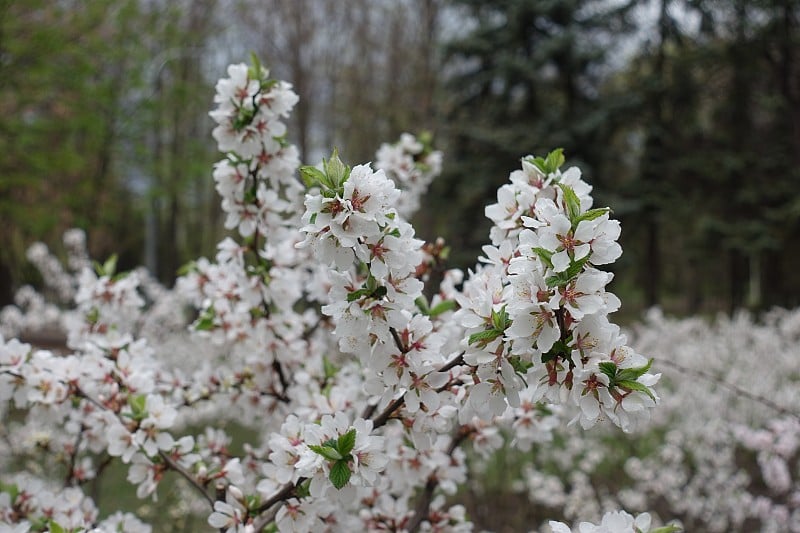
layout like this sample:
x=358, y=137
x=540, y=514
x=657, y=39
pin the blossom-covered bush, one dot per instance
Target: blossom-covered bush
x=312, y=328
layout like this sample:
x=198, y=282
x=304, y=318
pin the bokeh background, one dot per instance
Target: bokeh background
x=683, y=114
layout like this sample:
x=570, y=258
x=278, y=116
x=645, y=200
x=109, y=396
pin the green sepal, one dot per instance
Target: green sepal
x=340, y=474
x=347, y=442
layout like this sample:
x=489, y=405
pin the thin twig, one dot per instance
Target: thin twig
x=731, y=387
x=187, y=476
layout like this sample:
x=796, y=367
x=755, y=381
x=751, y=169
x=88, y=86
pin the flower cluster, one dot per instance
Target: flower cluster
x=536, y=312
x=412, y=164
x=314, y=327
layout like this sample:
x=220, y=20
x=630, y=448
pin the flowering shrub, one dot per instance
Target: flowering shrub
x=314, y=329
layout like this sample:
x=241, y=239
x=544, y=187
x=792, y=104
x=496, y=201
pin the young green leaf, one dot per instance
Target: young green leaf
x=340, y=474
x=630, y=385
x=632, y=374
x=609, y=368
x=328, y=452
x=572, y=202
x=347, y=442
x=443, y=307
x=484, y=337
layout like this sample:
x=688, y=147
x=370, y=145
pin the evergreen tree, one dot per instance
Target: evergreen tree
x=524, y=79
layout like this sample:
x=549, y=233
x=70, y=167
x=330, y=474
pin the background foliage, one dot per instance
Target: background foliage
x=685, y=114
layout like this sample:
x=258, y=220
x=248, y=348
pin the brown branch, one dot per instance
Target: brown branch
x=187, y=476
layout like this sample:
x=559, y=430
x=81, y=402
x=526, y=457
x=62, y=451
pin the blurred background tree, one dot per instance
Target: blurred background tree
x=683, y=114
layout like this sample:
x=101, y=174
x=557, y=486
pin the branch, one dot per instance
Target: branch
x=187, y=476
x=731, y=387
x=387, y=413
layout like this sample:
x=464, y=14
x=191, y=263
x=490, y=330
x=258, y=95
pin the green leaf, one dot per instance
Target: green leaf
x=10, y=489
x=108, y=268
x=336, y=171
x=545, y=255
x=443, y=307
x=422, y=305
x=328, y=452
x=500, y=319
x=347, y=442
x=55, y=527
x=340, y=474
x=205, y=322
x=329, y=368
x=138, y=403
x=572, y=202
x=93, y=316
x=609, y=368
x=312, y=177
x=591, y=214
x=187, y=268
x=672, y=528
x=632, y=374
x=484, y=337
x=554, y=160
x=631, y=385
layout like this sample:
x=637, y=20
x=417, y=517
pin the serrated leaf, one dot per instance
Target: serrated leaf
x=328, y=452
x=632, y=374
x=554, y=160
x=500, y=319
x=312, y=176
x=336, y=171
x=572, y=202
x=635, y=386
x=609, y=368
x=340, y=474
x=484, y=337
x=347, y=442
x=545, y=255
x=592, y=214
x=355, y=295
x=443, y=307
